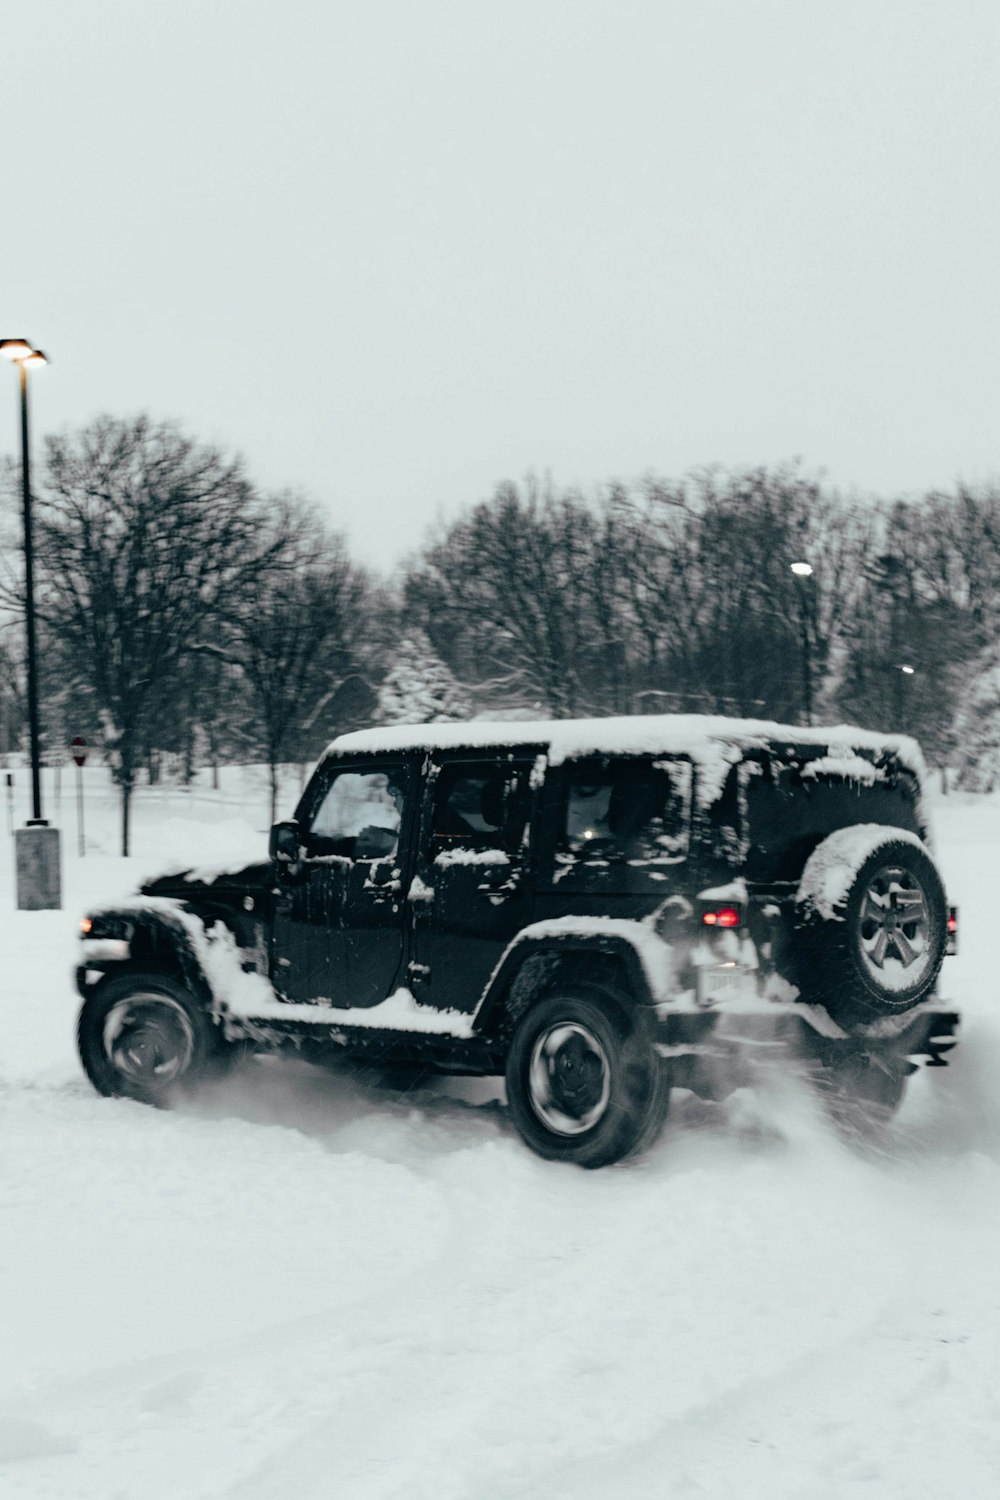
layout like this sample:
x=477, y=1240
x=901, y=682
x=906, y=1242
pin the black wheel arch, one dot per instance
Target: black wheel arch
x=158, y=944
x=535, y=967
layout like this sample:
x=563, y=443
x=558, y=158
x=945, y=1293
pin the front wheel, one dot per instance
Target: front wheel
x=145, y=1037
x=584, y=1084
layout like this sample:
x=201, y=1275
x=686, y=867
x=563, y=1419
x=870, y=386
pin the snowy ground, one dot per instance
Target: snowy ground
x=303, y=1290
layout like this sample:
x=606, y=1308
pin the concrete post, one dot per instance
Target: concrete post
x=36, y=856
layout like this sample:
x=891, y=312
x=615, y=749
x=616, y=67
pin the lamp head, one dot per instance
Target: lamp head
x=16, y=349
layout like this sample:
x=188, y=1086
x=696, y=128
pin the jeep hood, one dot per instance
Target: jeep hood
x=186, y=885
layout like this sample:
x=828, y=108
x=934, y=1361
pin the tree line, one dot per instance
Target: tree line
x=186, y=615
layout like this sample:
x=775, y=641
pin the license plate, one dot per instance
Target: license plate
x=720, y=982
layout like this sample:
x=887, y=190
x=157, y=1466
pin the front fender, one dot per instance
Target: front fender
x=148, y=935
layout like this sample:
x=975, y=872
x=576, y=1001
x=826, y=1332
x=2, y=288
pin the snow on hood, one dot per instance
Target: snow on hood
x=203, y=852
x=714, y=743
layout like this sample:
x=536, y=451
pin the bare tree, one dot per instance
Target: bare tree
x=302, y=633
x=665, y=595
x=505, y=596
x=143, y=535
x=12, y=707
x=926, y=605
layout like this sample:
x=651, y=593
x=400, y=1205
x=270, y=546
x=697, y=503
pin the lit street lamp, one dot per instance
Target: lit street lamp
x=902, y=695
x=803, y=571
x=37, y=846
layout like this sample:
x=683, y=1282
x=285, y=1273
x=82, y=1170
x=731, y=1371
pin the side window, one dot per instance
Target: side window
x=360, y=816
x=478, y=807
x=633, y=812
x=468, y=807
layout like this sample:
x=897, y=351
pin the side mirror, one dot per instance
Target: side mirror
x=283, y=844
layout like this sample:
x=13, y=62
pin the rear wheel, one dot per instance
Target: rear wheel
x=145, y=1037
x=583, y=1081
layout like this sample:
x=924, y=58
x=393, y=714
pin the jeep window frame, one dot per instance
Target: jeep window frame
x=319, y=788
x=516, y=843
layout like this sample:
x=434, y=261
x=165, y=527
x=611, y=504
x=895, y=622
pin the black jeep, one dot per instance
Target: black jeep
x=596, y=909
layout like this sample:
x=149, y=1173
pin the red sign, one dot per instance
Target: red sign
x=78, y=749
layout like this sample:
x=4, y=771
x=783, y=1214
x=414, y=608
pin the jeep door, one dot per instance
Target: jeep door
x=338, y=931
x=471, y=893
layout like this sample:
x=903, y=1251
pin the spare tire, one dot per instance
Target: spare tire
x=872, y=924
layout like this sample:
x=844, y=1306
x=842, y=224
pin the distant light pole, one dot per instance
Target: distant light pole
x=905, y=670
x=802, y=571
x=38, y=883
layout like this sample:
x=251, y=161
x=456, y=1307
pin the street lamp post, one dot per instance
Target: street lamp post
x=904, y=669
x=803, y=571
x=37, y=845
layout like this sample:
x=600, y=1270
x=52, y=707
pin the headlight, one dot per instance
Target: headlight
x=105, y=937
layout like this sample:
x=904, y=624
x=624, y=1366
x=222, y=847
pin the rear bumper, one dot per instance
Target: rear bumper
x=725, y=1048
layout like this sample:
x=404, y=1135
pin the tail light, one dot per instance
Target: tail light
x=722, y=916
x=951, y=946
x=721, y=925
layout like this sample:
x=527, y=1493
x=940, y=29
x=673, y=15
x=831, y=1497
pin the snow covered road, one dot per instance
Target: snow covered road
x=305, y=1289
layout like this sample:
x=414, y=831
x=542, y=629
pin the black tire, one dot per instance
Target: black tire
x=145, y=1037
x=584, y=1084
x=880, y=952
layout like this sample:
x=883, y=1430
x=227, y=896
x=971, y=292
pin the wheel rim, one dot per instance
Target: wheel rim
x=149, y=1039
x=895, y=925
x=569, y=1078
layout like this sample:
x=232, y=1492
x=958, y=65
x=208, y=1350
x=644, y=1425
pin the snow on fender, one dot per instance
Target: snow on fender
x=872, y=923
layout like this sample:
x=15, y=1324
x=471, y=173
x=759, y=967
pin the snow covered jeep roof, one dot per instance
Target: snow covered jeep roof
x=697, y=735
x=714, y=743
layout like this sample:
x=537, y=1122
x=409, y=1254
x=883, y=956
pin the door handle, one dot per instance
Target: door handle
x=382, y=881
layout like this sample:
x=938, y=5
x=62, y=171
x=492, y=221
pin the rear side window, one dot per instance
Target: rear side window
x=479, y=806
x=469, y=805
x=630, y=820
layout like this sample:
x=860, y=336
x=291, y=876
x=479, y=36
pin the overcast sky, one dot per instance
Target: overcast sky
x=396, y=251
